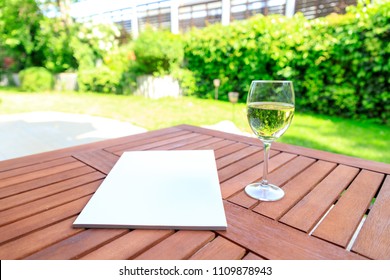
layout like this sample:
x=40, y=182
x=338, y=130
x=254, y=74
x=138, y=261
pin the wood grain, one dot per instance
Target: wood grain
x=239, y=180
x=180, y=245
x=51, y=189
x=148, y=143
x=374, y=238
x=219, y=249
x=100, y=160
x=77, y=245
x=46, y=203
x=308, y=211
x=23, y=177
x=278, y=177
x=42, y=219
x=274, y=240
x=38, y=240
x=296, y=189
x=342, y=221
x=129, y=245
x=44, y=181
x=34, y=167
x=236, y=156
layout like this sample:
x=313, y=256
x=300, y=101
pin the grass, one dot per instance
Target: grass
x=362, y=139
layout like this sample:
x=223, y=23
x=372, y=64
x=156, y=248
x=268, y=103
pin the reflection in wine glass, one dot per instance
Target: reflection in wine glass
x=270, y=109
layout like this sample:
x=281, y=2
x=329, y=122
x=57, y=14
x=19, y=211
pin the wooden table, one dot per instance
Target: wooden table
x=335, y=207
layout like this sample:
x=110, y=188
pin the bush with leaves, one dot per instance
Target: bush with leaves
x=340, y=64
x=157, y=52
x=36, y=79
x=112, y=74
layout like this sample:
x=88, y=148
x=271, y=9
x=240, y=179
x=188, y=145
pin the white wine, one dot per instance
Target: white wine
x=269, y=120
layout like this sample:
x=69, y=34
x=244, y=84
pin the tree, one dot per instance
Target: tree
x=19, y=30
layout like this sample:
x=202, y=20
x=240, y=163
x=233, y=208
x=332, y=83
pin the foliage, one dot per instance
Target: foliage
x=157, y=52
x=186, y=81
x=58, y=49
x=31, y=39
x=94, y=41
x=99, y=79
x=339, y=64
x=112, y=75
x=36, y=79
x=19, y=33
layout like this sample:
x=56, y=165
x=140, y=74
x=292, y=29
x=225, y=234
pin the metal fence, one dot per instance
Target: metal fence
x=185, y=14
x=320, y=8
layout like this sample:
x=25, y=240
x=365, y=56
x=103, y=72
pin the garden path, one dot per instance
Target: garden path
x=35, y=132
x=29, y=133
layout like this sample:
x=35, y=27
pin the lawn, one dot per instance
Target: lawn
x=355, y=138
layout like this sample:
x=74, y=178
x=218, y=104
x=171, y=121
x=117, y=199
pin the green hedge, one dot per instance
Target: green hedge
x=157, y=52
x=340, y=64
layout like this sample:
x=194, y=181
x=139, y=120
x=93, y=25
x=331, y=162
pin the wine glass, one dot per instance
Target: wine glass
x=270, y=109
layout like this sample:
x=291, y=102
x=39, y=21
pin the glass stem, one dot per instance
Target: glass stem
x=267, y=147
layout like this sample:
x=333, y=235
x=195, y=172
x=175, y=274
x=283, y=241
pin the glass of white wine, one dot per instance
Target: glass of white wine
x=270, y=109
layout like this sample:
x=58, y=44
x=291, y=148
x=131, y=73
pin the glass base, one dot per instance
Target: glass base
x=266, y=192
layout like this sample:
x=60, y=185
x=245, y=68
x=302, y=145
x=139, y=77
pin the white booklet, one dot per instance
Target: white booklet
x=159, y=190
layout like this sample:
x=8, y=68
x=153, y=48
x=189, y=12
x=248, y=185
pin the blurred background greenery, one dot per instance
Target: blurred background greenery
x=340, y=66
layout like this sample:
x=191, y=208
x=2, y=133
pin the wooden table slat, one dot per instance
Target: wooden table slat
x=180, y=245
x=296, y=189
x=278, y=177
x=44, y=181
x=39, y=173
x=139, y=139
x=46, y=203
x=50, y=189
x=38, y=240
x=252, y=257
x=219, y=249
x=129, y=245
x=222, y=134
x=218, y=147
x=43, y=219
x=342, y=221
x=253, y=174
x=207, y=144
x=144, y=143
x=237, y=156
x=305, y=214
x=266, y=237
x=193, y=138
x=100, y=160
x=34, y=167
x=156, y=145
x=77, y=245
x=242, y=165
x=228, y=149
x=374, y=238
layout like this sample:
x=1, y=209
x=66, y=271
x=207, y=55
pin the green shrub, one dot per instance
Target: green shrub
x=186, y=81
x=112, y=76
x=157, y=52
x=36, y=79
x=99, y=79
x=340, y=64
